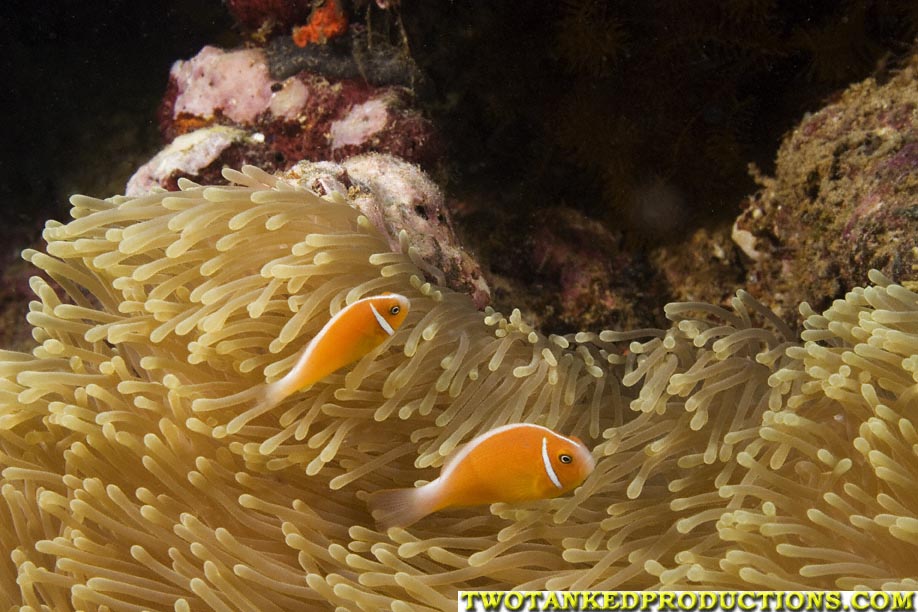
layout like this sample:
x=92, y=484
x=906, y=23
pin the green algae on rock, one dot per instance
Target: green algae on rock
x=749, y=458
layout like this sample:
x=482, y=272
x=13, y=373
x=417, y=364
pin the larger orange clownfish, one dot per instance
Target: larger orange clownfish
x=513, y=463
x=356, y=330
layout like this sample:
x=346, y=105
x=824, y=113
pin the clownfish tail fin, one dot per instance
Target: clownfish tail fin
x=400, y=507
x=267, y=396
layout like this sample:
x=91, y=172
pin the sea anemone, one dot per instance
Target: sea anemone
x=730, y=452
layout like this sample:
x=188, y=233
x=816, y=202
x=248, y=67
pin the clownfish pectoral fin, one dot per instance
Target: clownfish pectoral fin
x=399, y=507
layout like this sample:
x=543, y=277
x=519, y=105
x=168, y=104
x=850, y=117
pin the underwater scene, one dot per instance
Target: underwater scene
x=354, y=304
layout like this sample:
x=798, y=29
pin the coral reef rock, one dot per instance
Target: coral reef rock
x=585, y=277
x=842, y=199
x=302, y=116
x=703, y=267
x=202, y=154
x=731, y=452
x=405, y=206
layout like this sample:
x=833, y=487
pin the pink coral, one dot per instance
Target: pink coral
x=360, y=124
x=288, y=98
x=235, y=84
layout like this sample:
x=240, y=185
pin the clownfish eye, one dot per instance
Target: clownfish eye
x=565, y=458
x=395, y=310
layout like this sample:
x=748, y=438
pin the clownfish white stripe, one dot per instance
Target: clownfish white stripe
x=382, y=322
x=548, y=469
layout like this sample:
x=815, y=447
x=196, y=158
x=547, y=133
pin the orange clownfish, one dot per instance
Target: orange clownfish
x=519, y=462
x=356, y=330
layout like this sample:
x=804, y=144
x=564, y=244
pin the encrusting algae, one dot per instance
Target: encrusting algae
x=729, y=453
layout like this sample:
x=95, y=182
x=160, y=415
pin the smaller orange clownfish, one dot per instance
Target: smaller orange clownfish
x=513, y=463
x=356, y=330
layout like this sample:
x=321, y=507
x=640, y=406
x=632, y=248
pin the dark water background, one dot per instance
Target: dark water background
x=82, y=82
